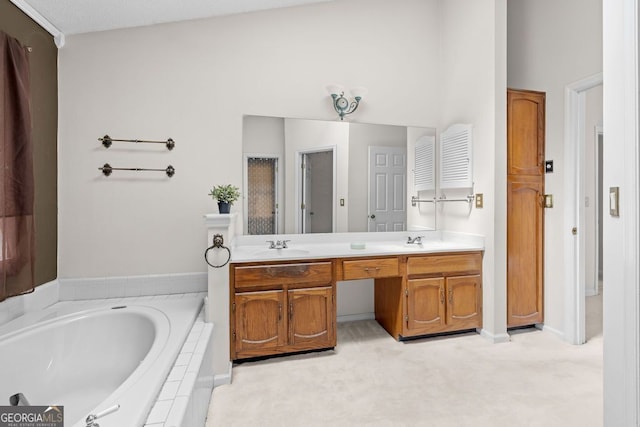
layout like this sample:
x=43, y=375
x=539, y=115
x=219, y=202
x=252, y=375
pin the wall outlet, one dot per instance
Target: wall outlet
x=479, y=200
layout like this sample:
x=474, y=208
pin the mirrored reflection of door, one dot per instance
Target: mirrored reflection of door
x=262, y=207
x=317, y=192
x=387, y=189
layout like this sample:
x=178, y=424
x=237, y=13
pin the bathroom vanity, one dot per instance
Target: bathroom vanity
x=284, y=300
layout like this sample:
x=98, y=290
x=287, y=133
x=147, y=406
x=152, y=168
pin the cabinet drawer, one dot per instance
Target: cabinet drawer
x=370, y=268
x=277, y=274
x=444, y=264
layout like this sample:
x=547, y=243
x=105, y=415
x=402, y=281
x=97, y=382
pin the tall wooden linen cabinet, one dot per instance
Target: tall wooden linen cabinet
x=525, y=206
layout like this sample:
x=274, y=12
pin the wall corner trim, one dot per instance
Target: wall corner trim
x=495, y=338
x=58, y=36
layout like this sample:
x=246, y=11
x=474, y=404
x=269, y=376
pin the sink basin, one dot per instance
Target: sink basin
x=395, y=247
x=282, y=253
x=414, y=247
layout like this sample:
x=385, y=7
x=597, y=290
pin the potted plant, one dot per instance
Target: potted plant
x=225, y=195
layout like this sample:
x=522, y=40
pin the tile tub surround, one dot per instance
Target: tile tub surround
x=72, y=289
x=338, y=245
x=185, y=395
x=43, y=296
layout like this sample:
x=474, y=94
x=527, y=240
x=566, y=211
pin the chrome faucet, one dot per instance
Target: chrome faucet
x=416, y=240
x=18, y=399
x=91, y=418
x=278, y=244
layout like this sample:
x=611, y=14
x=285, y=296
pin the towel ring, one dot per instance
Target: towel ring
x=218, y=243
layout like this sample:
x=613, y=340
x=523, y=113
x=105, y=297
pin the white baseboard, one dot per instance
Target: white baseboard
x=495, y=338
x=554, y=331
x=355, y=317
x=591, y=292
x=221, y=379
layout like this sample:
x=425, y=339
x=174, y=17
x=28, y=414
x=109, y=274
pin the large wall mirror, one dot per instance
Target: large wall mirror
x=315, y=176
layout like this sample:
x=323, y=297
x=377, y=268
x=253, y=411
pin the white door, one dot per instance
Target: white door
x=387, y=188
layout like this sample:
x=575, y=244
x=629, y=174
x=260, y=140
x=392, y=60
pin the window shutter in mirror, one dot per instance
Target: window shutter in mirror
x=455, y=157
x=423, y=171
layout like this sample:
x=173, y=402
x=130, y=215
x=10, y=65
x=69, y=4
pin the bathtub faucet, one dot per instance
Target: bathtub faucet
x=93, y=417
x=18, y=399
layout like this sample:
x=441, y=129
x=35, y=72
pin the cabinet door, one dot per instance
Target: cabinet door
x=524, y=251
x=464, y=302
x=525, y=132
x=311, y=319
x=260, y=323
x=425, y=305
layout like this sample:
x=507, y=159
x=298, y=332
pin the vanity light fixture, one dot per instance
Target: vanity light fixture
x=341, y=104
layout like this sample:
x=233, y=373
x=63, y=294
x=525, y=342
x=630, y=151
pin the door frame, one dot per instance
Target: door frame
x=298, y=183
x=574, y=212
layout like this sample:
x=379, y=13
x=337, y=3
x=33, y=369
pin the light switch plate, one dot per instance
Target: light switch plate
x=614, y=201
x=479, y=200
x=548, y=200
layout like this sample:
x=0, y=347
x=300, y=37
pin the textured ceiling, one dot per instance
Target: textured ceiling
x=83, y=16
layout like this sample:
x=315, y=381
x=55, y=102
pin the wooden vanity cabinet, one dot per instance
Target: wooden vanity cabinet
x=443, y=304
x=438, y=293
x=290, y=306
x=443, y=293
x=281, y=308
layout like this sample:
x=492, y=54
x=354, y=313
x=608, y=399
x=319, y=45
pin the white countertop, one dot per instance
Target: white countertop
x=338, y=245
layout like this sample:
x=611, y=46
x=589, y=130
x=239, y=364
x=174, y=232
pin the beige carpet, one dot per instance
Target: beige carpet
x=370, y=379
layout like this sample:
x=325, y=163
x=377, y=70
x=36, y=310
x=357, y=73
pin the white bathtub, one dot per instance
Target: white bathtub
x=89, y=357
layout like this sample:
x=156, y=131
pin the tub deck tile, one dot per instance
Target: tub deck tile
x=177, y=373
x=178, y=411
x=186, y=386
x=169, y=390
x=159, y=411
x=183, y=359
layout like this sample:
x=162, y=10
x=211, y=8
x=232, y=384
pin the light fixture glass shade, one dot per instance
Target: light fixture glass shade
x=335, y=89
x=359, y=91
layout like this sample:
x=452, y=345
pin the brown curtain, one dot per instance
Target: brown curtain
x=16, y=171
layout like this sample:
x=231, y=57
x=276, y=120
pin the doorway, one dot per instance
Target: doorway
x=575, y=226
x=316, y=191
